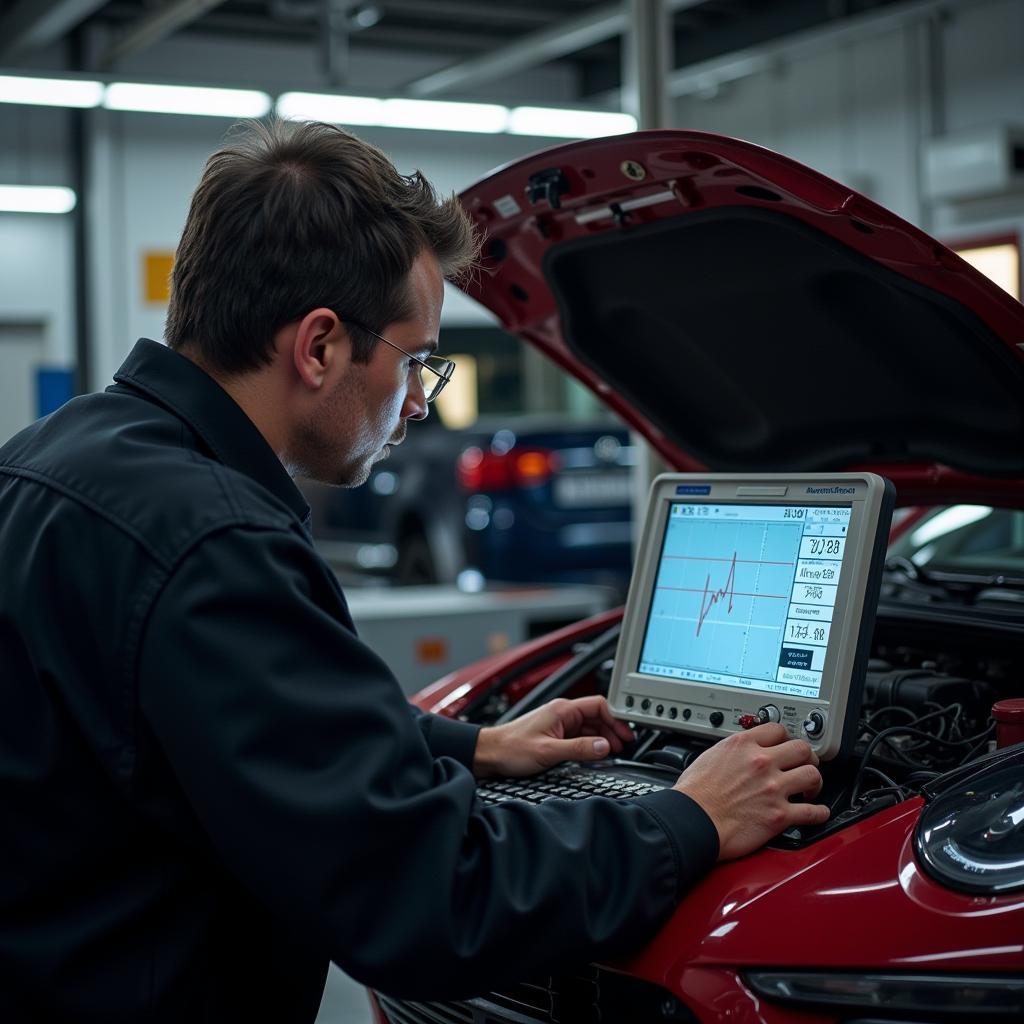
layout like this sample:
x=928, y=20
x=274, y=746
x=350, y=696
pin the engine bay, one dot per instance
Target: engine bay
x=936, y=670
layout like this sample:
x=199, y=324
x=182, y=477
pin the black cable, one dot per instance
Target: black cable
x=907, y=730
x=886, y=710
x=645, y=744
x=893, y=729
x=872, y=794
x=501, y=682
x=920, y=776
x=890, y=783
x=985, y=737
x=564, y=678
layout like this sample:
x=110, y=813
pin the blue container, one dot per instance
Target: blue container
x=54, y=386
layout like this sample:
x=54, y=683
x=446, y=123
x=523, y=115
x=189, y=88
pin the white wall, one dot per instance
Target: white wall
x=145, y=168
x=846, y=110
x=36, y=283
x=860, y=110
x=984, y=58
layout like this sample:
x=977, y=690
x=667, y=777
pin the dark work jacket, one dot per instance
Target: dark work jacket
x=209, y=787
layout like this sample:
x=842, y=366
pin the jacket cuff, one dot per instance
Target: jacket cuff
x=691, y=833
x=448, y=737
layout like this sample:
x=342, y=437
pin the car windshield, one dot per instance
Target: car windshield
x=965, y=538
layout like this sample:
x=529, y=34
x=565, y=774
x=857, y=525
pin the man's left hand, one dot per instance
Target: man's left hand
x=562, y=730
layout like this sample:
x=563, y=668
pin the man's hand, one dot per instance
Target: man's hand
x=562, y=730
x=744, y=783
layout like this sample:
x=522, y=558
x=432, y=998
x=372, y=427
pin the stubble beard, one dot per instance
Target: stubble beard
x=324, y=443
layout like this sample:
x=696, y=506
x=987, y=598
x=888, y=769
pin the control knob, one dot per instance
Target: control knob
x=814, y=725
x=769, y=713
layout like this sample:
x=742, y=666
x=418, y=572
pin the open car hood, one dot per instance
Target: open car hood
x=746, y=313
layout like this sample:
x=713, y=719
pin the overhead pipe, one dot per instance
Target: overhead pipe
x=569, y=36
x=152, y=27
x=32, y=25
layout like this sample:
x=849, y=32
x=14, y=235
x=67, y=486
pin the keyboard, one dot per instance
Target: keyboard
x=568, y=782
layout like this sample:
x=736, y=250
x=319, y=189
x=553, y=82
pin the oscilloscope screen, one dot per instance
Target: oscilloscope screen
x=745, y=594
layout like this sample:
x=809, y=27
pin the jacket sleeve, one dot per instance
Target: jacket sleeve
x=447, y=737
x=319, y=791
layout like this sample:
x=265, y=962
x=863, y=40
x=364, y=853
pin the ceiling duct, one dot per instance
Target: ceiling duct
x=32, y=25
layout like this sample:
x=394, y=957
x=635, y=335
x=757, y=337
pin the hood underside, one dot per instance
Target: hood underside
x=751, y=338
x=746, y=313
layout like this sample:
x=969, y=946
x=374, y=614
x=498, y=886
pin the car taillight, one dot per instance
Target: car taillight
x=478, y=470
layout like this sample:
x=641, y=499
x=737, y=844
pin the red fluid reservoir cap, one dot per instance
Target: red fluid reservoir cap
x=1009, y=710
x=1009, y=718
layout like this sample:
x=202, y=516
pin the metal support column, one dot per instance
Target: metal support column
x=78, y=152
x=929, y=66
x=79, y=143
x=646, y=63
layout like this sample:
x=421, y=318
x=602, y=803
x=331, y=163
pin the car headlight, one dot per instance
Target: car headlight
x=971, y=836
x=979, y=997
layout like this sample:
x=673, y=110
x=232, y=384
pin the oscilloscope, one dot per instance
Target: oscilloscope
x=752, y=600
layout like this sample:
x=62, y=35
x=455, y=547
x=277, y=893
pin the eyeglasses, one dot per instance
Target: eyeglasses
x=435, y=371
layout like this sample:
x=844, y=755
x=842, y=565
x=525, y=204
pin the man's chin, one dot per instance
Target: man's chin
x=348, y=476
x=356, y=476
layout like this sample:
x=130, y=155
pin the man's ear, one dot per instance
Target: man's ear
x=320, y=347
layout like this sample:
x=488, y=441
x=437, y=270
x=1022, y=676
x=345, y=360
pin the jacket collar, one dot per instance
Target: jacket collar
x=179, y=385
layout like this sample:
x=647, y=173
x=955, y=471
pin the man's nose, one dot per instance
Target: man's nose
x=415, y=405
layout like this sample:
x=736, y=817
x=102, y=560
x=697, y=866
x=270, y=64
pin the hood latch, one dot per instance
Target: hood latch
x=547, y=186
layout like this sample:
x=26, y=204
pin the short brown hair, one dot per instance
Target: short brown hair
x=289, y=217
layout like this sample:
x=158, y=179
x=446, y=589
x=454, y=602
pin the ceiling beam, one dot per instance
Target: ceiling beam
x=539, y=47
x=151, y=28
x=32, y=24
x=472, y=11
x=529, y=51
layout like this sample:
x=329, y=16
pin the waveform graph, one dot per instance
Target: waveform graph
x=721, y=596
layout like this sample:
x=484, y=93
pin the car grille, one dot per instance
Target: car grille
x=590, y=996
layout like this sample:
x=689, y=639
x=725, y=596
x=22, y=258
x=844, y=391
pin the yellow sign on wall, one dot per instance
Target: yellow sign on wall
x=156, y=276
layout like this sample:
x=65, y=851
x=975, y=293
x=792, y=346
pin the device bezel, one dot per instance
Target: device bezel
x=856, y=599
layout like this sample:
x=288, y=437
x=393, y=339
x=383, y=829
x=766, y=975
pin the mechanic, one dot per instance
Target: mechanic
x=210, y=786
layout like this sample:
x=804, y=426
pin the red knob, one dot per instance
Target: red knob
x=749, y=721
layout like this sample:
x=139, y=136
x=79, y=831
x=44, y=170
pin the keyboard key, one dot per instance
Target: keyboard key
x=566, y=784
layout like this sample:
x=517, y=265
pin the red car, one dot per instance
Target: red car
x=747, y=314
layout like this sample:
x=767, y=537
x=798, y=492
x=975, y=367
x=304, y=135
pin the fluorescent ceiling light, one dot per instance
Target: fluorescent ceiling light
x=36, y=199
x=318, y=106
x=428, y=115
x=50, y=92
x=568, y=124
x=444, y=116
x=432, y=115
x=186, y=99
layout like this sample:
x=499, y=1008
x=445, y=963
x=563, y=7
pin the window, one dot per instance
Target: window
x=996, y=258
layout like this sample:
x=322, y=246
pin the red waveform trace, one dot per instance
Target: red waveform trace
x=711, y=597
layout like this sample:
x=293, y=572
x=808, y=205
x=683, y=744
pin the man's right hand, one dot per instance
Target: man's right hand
x=744, y=784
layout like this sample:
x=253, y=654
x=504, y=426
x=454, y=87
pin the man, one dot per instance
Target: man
x=210, y=786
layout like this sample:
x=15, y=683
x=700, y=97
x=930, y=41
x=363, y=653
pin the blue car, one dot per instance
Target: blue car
x=511, y=499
